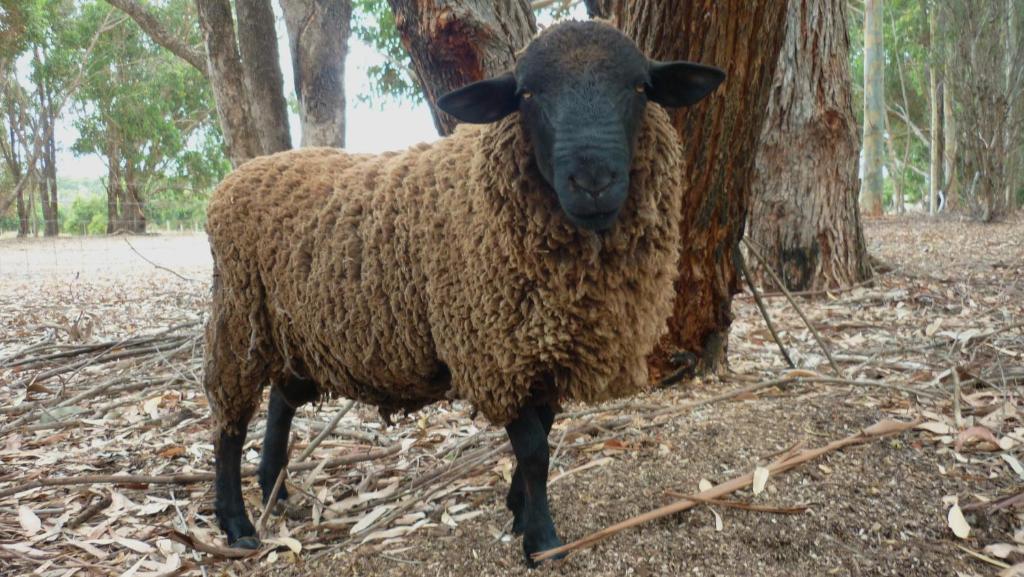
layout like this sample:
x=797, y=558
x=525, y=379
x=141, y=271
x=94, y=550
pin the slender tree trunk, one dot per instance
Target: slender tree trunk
x=455, y=42
x=804, y=196
x=257, y=43
x=53, y=224
x=601, y=8
x=871, y=194
x=22, y=215
x=1011, y=148
x=226, y=77
x=720, y=138
x=949, y=169
x=318, y=33
x=935, y=178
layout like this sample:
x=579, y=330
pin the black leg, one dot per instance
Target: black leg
x=530, y=445
x=275, y=444
x=229, y=505
x=516, y=491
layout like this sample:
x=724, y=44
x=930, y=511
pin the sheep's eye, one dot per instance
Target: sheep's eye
x=640, y=88
x=526, y=95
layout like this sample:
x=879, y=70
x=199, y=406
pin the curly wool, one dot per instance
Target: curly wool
x=444, y=271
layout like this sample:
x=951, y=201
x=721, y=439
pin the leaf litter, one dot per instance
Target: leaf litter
x=106, y=449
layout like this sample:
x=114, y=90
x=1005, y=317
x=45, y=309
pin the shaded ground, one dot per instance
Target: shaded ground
x=954, y=298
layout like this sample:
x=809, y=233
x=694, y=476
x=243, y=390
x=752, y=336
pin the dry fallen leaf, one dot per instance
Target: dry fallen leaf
x=30, y=523
x=1001, y=550
x=760, y=480
x=704, y=485
x=956, y=521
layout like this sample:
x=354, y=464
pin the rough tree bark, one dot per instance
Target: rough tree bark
x=874, y=109
x=257, y=45
x=318, y=33
x=226, y=77
x=720, y=138
x=455, y=42
x=803, y=208
x=601, y=8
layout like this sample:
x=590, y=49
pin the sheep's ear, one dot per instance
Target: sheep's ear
x=682, y=83
x=484, y=101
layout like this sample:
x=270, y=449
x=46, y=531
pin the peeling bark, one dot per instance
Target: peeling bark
x=455, y=42
x=720, y=137
x=804, y=209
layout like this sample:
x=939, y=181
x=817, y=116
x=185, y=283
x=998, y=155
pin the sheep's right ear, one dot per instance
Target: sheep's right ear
x=484, y=101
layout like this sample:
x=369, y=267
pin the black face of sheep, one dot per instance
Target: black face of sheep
x=581, y=89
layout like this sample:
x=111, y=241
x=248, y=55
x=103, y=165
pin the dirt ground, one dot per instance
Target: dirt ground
x=952, y=295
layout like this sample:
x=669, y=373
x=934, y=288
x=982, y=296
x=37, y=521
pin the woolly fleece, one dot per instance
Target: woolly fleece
x=447, y=271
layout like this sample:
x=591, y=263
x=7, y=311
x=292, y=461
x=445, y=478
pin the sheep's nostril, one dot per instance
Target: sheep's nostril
x=592, y=184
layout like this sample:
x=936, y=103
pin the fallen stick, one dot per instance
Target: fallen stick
x=761, y=307
x=187, y=478
x=740, y=504
x=796, y=307
x=786, y=462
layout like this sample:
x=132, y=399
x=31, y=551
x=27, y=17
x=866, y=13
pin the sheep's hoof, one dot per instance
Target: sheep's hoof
x=537, y=544
x=248, y=542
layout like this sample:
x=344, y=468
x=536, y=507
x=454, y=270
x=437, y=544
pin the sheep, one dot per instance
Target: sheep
x=526, y=260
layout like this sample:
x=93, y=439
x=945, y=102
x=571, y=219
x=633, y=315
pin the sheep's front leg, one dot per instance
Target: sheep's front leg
x=516, y=491
x=229, y=505
x=528, y=435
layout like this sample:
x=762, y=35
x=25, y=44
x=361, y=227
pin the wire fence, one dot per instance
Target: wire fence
x=91, y=217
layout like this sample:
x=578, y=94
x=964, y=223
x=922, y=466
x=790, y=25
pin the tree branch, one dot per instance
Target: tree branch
x=156, y=31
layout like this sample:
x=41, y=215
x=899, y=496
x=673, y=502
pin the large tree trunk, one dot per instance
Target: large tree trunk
x=874, y=109
x=257, y=43
x=318, y=32
x=226, y=77
x=720, y=138
x=803, y=208
x=132, y=208
x=455, y=42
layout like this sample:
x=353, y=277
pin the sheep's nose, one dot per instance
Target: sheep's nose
x=593, y=182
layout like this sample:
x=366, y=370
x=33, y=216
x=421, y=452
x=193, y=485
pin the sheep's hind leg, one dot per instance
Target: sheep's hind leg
x=284, y=400
x=229, y=505
x=530, y=445
x=516, y=491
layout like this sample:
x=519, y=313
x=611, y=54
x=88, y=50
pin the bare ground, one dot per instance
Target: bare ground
x=954, y=297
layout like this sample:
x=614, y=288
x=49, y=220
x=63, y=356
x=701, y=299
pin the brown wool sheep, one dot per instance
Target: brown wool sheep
x=515, y=264
x=442, y=272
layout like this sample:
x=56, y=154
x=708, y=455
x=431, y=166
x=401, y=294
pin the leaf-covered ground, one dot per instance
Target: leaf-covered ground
x=100, y=356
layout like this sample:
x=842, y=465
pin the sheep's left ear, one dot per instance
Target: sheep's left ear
x=682, y=83
x=484, y=101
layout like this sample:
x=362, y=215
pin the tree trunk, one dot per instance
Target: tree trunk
x=949, y=171
x=803, y=208
x=318, y=32
x=874, y=108
x=257, y=43
x=601, y=8
x=935, y=178
x=455, y=42
x=50, y=176
x=22, y=215
x=226, y=77
x=48, y=171
x=132, y=209
x=720, y=138
x=113, y=184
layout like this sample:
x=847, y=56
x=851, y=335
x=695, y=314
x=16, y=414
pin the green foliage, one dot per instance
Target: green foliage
x=87, y=214
x=374, y=23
